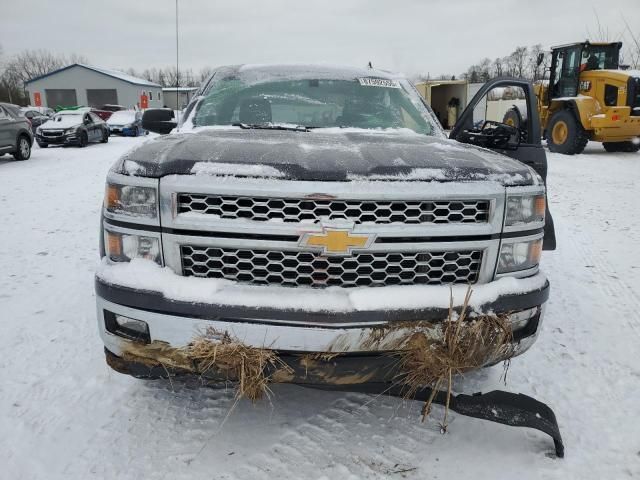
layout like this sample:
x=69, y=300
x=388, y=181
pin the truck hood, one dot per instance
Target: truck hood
x=321, y=155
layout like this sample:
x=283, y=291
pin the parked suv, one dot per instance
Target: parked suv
x=15, y=132
x=321, y=214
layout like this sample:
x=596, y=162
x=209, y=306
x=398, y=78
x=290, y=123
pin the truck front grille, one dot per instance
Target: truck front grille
x=357, y=211
x=293, y=268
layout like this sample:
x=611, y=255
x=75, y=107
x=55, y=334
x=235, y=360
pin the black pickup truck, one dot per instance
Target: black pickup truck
x=304, y=210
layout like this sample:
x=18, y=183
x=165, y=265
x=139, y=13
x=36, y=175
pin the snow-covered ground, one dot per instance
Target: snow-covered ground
x=64, y=414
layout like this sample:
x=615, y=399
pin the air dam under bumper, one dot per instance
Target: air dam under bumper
x=354, y=335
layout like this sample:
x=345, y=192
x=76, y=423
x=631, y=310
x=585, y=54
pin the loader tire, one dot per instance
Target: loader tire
x=513, y=118
x=565, y=134
x=621, y=146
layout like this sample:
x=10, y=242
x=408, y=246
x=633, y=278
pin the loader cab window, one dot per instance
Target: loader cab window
x=566, y=72
x=600, y=57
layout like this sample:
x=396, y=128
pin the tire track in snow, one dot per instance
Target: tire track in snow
x=351, y=439
x=621, y=297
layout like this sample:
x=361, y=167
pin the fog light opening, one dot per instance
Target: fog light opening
x=127, y=327
x=525, y=322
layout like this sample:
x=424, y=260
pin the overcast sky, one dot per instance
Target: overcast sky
x=411, y=36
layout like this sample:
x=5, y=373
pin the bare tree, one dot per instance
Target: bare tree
x=601, y=33
x=532, y=61
x=632, y=45
x=518, y=62
x=484, y=69
x=204, y=74
x=29, y=64
x=498, y=67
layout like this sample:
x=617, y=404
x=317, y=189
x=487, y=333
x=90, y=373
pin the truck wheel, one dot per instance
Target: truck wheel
x=513, y=118
x=24, y=148
x=565, y=134
x=621, y=146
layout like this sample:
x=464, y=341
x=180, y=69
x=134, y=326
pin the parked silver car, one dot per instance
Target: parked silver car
x=15, y=132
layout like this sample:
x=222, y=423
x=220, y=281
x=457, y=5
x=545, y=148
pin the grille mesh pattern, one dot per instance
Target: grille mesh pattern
x=358, y=211
x=292, y=268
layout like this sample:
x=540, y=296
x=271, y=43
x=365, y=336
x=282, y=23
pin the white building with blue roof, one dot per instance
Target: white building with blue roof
x=91, y=86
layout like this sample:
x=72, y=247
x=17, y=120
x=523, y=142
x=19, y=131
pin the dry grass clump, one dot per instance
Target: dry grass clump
x=157, y=353
x=464, y=344
x=251, y=367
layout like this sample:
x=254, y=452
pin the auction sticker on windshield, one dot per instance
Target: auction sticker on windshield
x=379, y=82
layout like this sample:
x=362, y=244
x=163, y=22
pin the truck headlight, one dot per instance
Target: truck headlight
x=131, y=200
x=122, y=247
x=516, y=256
x=523, y=209
x=70, y=130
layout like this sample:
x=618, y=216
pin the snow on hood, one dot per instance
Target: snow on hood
x=122, y=117
x=63, y=121
x=231, y=169
x=319, y=155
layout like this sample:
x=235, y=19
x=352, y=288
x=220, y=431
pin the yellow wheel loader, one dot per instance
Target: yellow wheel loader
x=587, y=97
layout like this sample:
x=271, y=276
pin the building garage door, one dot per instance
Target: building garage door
x=61, y=97
x=102, y=96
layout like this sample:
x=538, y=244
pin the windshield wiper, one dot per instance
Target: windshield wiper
x=271, y=126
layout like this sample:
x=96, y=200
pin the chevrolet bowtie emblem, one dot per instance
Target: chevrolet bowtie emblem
x=335, y=241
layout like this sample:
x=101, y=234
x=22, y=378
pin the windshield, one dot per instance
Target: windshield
x=122, y=116
x=306, y=100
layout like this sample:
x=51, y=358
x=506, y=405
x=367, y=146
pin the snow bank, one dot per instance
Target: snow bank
x=146, y=275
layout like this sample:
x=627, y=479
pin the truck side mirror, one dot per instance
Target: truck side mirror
x=159, y=120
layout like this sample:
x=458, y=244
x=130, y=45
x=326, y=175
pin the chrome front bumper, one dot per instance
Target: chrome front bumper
x=177, y=323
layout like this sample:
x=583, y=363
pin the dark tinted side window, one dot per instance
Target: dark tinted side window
x=634, y=94
x=610, y=95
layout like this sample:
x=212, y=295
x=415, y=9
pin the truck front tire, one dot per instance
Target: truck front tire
x=565, y=134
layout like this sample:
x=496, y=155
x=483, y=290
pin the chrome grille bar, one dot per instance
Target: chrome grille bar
x=313, y=210
x=301, y=268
